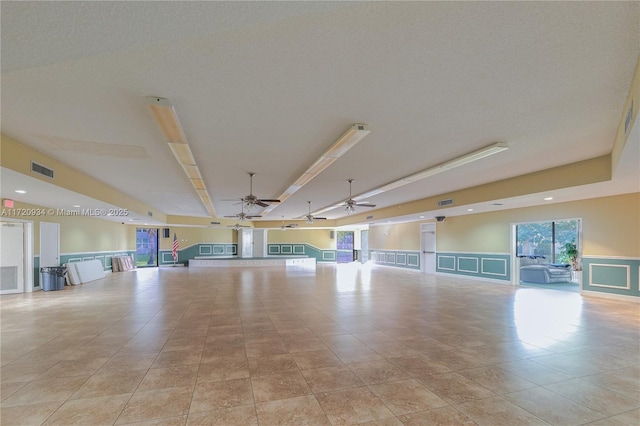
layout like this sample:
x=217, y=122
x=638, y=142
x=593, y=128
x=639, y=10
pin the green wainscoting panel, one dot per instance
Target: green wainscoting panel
x=397, y=258
x=482, y=265
x=611, y=275
x=297, y=249
x=468, y=264
x=165, y=257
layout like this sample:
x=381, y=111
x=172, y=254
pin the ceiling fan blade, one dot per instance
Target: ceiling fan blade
x=251, y=217
x=261, y=204
x=365, y=205
x=235, y=215
x=319, y=218
x=265, y=200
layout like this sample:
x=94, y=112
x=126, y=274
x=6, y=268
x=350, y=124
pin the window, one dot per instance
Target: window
x=548, y=239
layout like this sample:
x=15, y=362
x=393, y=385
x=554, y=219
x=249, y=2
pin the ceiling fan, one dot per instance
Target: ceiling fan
x=237, y=226
x=350, y=204
x=289, y=226
x=242, y=216
x=310, y=218
x=251, y=200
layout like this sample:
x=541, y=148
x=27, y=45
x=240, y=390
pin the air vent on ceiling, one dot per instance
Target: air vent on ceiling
x=369, y=217
x=41, y=170
x=446, y=202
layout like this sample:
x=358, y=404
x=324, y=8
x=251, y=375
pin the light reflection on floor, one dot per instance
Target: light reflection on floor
x=544, y=318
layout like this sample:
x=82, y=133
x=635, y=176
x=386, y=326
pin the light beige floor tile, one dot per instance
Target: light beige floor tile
x=458, y=339
x=372, y=372
x=90, y=411
x=454, y=387
x=601, y=399
x=156, y=404
x=552, y=407
x=177, y=358
x=130, y=362
x=45, y=391
x=222, y=394
x=224, y=368
x=330, y=379
x=279, y=386
x=302, y=410
x=351, y=406
x=243, y=415
x=271, y=364
x=497, y=379
x=170, y=377
x=34, y=414
x=407, y=396
x=110, y=384
x=311, y=360
x=496, y=411
x=444, y=416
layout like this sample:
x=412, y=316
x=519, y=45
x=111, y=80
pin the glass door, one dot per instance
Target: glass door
x=146, y=247
x=345, y=246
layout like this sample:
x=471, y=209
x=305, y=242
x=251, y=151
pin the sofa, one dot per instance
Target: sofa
x=536, y=269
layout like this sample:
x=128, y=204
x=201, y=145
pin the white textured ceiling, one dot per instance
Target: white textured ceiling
x=268, y=86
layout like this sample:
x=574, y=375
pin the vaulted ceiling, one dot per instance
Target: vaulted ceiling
x=267, y=87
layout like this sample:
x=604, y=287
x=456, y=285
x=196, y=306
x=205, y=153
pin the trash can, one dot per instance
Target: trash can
x=53, y=278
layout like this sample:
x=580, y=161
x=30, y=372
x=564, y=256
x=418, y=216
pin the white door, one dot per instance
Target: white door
x=428, y=248
x=49, y=244
x=11, y=257
x=259, y=243
x=246, y=243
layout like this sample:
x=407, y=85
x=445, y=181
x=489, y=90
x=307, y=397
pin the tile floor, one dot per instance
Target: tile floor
x=349, y=344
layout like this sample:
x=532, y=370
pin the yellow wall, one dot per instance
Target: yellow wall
x=403, y=236
x=318, y=238
x=17, y=156
x=610, y=227
x=80, y=234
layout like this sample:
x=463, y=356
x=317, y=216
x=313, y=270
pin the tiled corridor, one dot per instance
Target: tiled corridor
x=348, y=344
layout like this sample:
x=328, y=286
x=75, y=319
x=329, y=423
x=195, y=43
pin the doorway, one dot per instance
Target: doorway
x=11, y=258
x=428, y=248
x=146, y=247
x=16, y=254
x=548, y=254
x=345, y=246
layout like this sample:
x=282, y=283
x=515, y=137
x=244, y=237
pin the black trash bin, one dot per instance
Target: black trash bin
x=53, y=278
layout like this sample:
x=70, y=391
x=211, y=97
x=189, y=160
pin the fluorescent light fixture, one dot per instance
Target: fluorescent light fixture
x=448, y=165
x=456, y=162
x=167, y=120
x=198, y=184
x=192, y=171
x=348, y=140
x=183, y=154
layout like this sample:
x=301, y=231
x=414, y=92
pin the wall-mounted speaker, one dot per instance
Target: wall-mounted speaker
x=166, y=232
x=332, y=234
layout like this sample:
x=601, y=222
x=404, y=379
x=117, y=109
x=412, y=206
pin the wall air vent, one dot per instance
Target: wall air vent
x=41, y=170
x=369, y=217
x=446, y=202
x=150, y=214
